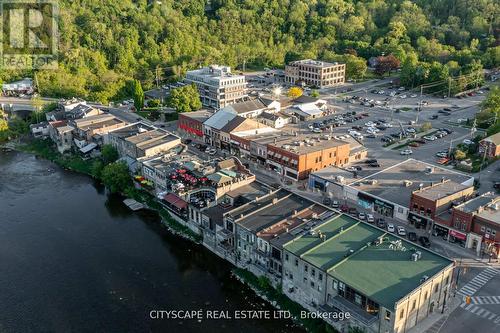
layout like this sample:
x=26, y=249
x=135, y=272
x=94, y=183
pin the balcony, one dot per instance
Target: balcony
x=340, y=303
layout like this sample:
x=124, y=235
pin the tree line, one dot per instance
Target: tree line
x=106, y=44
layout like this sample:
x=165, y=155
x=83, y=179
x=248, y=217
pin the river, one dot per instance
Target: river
x=75, y=259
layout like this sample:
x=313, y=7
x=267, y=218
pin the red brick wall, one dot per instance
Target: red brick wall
x=189, y=125
x=423, y=205
x=479, y=223
x=460, y=217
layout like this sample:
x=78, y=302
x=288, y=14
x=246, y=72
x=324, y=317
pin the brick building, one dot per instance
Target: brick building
x=191, y=123
x=490, y=146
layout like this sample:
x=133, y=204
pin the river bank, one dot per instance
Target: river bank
x=260, y=286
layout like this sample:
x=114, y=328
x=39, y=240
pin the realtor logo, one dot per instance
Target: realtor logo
x=29, y=34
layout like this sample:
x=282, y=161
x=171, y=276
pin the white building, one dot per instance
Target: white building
x=217, y=86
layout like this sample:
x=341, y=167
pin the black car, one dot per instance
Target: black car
x=435, y=116
x=374, y=165
x=412, y=236
x=381, y=223
x=327, y=201
x=424, y=241
x=371, y=160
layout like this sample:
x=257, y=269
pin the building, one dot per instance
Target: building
x=40, y=130
x=389, y=191
x=24, y=86
x=61, y=134
x=308, y=108
x=217, y=86
x=212, y=126
x=386, y=283
x=296, y=156
x=430, y=202
x=490, y=146
x=141, y=140
x=67, y=105
x=274, y=120
x=476, y=223
x=315, y=73
x=92, y=129
x=80, y=111
x=191, y=123
x=254, y=107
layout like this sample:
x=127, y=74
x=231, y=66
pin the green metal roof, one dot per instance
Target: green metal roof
x=347, y=253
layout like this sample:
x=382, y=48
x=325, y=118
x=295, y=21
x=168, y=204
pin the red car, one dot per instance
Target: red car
x=344, y=208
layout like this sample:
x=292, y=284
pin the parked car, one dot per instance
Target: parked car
x=212, y=152
x=370, y=218
x=327, y=201
x=412, y=236
x=424, y=241
x=467, y=142
x=370, y=161
x=361, y=216
x=353, y=211
x=374, y=165
x=401, y=231
x=344, y=208
x=406, y=152
x=390, y=227
x=335, y=204
x=381, y=222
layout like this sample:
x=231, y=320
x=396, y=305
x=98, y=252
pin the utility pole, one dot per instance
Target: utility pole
x=449, y=87
x=419, y=104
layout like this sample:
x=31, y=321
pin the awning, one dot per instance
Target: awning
x=458, y=235
x=175, y=201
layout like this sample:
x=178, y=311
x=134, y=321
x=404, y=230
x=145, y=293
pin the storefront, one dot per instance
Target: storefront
x=420, y=222
x=457, y=237
x=440, y=230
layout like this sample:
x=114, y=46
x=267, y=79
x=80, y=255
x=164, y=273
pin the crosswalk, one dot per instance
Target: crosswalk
x=482, y=312
x=485, y=300
x=477, y=282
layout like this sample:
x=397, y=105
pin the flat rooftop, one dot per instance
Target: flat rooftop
x=315, y=63
x=441, y=190
x=347, y=251
x=396, y=183
x=270, y=209
x=132, y=129
x=486, y=206
x=200, y=115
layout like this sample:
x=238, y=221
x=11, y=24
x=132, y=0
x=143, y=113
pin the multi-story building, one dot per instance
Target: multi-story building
x=191, y=123
x=315, y=73
x=94, y=128
x=62, y=135
x=386, y=283
x=141, y=140
x=254, y=107
x=490, y=146
x=217, y=86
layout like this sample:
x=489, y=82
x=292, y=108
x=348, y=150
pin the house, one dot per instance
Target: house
x=308, y=108
x=274, y=120
x=24, y=86
x=62, y=135
x=254, y=107
x=67, y=105
x=81, y=110
x=40, y=130
x=490, y=146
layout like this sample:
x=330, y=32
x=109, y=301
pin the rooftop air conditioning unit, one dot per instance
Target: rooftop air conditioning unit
x=407, y=183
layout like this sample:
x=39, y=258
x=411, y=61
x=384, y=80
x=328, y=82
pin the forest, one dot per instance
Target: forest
x=105, y=44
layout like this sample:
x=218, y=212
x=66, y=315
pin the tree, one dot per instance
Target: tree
x=386, y=64
x=185, y=99
x=138, y=95
x=109, y=154
x=96, y=169
x=315, y=93
x=426, y=126
x=154, y=103
x=459, y=155
x=295, y=92
x=115, y=177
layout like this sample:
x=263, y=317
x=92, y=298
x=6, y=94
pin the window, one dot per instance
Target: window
x=313, y=272
x=483, y=228
x=286, y=257
x=320, y=276
x=436, y=288
x=493, y=232
x=335, y=284
x=312, y=284
x=400, y=210
x=387, y=315
x=446, y=280
x=305, y=268
x=414, y=305
x=296, y=262
x=425, y=296
x=402, y=314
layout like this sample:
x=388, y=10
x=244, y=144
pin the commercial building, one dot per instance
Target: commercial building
x=92, y=129
x=490, y=146
x=217, y=86
x=254, y=107
x=61, y=134
x=389, y=191
x=308, y=108
x=142, y=140
x=191, y=123
x=386, y=283
x=315, y=73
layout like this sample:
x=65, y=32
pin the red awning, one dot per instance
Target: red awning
x=458, y=235
x=175, y=201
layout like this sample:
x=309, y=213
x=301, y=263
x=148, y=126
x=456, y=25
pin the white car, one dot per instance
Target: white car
x=208, y=150
x=361, y=216
x=369, y=124
x=410, y=130
x=442, y=154
x=370, y=218
x=467, y=142
x=310, y=126
x=413, y=95
x=406, y=152
x=381, y=92
x=430, y=137
x=403, y=96
x=401, y=231
x=401, y=88
x=212, y=152
x=390, y=227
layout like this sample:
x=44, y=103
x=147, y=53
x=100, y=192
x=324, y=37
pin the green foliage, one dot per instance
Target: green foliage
x=106, y=43
x=426, y=126
x=116, y=177
x=153, y=103
x=185, y=99
x=459, y=155
x=109, y=154
x=315, y=93
x=96, y=169
x=138, y=95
